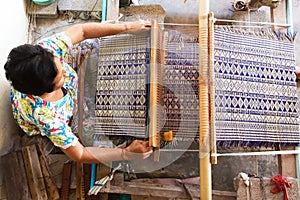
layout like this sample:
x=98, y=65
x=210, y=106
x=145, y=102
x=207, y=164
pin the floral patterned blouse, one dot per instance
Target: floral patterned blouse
x=37, y=116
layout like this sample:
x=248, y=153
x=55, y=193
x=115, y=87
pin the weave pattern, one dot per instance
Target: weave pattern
x=254, y=95
x=122, y=85
x=180, y=94
x=255, y=89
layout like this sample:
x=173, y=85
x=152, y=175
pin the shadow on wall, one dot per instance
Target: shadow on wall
x=186, y=11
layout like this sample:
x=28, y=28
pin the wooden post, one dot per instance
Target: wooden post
x=204, y=128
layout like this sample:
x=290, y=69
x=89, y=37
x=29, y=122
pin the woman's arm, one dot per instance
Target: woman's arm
x=80, y=32
x=136, y=150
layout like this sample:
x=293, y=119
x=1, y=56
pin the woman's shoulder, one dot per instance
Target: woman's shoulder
x=19, y=97
x=57, y=43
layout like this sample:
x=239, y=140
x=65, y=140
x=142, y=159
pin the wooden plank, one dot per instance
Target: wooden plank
x=152, y=190
x=66, y=181
x=23, y=173
x=87, y=180
x=193, y=191
x=15, y=177
x=52, y=189
x=34, y=173
x=146, y=189
x=78, y=180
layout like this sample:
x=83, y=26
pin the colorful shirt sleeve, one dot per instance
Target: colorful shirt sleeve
x=54, y=125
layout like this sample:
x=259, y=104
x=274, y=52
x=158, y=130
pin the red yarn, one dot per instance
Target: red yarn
x=281, y=185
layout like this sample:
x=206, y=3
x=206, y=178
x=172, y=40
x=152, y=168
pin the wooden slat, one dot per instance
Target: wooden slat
x=78, y=180
x=23, y=174
x=34, y=173
x=155, y=189
x=66, y=181
x=86, y=179
x=52, y=189
x=146, y=189
x=15, y=177
x=193, y=191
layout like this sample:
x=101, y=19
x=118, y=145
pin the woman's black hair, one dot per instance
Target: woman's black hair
x=31, y=69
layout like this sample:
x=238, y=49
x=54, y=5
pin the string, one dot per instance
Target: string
x=229, y=20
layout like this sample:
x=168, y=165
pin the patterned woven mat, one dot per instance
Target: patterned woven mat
x=122, y=89
x=255, y=89
x=255, y=100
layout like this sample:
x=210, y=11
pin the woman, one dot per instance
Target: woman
x=44, y=89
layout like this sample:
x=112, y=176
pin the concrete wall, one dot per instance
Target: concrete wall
x=296, y=27
x=13, y=32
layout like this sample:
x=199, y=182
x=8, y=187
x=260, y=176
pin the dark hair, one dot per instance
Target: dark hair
x=31, y=69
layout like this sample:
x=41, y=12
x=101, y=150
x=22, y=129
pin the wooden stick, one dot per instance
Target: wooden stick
x=204, y=128
x=52, y=189
x=34, y=173
x=78, y=180
x=66, y=181
x=212, y=88
x=87, y=179
x=81, y=96
x=154, y=137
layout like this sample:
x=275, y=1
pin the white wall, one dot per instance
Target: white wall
x=13, y=30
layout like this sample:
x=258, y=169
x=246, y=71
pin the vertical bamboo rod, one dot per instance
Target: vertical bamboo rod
x=212, y=88
x=204, y=136
x=81, y=68
x=153, y=132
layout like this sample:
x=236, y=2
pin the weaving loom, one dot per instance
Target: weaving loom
x=254, y=95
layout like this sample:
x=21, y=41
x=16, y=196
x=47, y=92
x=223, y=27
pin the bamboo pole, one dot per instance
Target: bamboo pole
x=153, y=132
x=204, y=130
x=212, y=130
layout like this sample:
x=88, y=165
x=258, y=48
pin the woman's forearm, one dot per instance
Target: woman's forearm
x=83, y=154
x=136, y=150
x=80, y=32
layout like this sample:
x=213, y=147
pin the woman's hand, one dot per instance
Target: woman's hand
x=137, y=25
x=298, y=73
x=138, y=149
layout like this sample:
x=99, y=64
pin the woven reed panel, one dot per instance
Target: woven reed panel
x=122, y=85
x=255, y=89
x=255, y=100
x=180, y=81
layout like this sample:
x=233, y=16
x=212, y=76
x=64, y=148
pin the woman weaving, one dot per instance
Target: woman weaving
x=44, y=91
